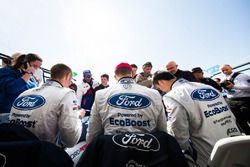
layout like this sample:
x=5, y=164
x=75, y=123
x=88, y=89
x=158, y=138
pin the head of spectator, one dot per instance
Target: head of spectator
x=123, y=70
x=134, y=69
x=163, y=80
x=24, y=61
x=226, y=69
x=104, y=79
x=198, y=73
x=87, y=76
x=20, y=62
x=172, y=67
x=34, y=60
x=62, y=74
x=147, y=67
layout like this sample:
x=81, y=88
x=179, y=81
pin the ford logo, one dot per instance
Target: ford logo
x=142, y=142
x=129, y=101
x=29, y=102
x=2, y=160
x=204, y=94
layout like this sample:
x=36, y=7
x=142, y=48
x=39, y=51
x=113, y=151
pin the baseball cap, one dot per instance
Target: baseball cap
x=87, y=74
x=196, y=69
x=123, y=65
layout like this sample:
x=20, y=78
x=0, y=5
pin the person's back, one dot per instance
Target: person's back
x=126, y=107
x=196, y=113
x=130, y=109
x=210, y=118
x=50, y=111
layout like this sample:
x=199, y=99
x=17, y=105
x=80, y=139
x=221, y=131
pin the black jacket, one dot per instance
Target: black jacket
x=186, y=75
x=19, y=147
x=156, y=149
x=209, y=81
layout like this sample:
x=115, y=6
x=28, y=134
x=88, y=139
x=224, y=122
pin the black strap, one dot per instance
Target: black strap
x=234, y=76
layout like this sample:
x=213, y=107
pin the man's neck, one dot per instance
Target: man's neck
x=104, y=84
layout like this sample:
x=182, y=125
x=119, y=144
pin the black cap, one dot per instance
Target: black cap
x=196, y=69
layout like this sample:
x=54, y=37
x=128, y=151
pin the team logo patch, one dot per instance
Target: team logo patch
x=127, y=81
x=29, y=102
x=142, y=142
x=129, y=101
x=2, y=160
x=204, y=94
x=133, y=163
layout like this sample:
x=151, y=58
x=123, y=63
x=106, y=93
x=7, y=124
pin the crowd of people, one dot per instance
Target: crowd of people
x=196, y=110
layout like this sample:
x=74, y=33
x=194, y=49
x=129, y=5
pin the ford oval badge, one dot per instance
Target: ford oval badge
x=29, y=102
x=129, y=101
x=204, y=94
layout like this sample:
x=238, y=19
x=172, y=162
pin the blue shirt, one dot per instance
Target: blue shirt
x=11, y=85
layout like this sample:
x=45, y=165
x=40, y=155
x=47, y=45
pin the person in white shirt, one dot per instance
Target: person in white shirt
x=86, y=91
x=50, y=111
x=198, y=115
x=238, y=95
x=126, y=107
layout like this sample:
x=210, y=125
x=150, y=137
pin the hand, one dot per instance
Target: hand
x=230, y=85
x=82, y=113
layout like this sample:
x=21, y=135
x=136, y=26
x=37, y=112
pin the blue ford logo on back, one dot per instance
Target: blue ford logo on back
x=204, y=94
x=29, y=102
x=129, y=101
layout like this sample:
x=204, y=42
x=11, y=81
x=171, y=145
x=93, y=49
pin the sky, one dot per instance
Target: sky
x=99, y=34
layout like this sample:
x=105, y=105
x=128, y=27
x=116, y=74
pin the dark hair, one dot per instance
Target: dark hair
x=162, y=75
x=123, y=71
x=19, y=61
x=23, y=59
x=196, y=69
x=148, y=64
x=58, y=71
x=134, y=65
x=33, y=57
x=105, y=76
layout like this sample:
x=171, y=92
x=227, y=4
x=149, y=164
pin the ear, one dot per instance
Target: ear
x=68, y=76
x=116, y=78
x=161, y=82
